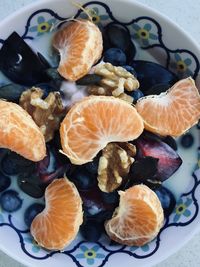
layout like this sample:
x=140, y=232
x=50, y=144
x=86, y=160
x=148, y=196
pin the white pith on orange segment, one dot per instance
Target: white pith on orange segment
x=138, y=219
x=19, y=133
x=58, y=224
x=80, y=46
x=93, y=123
x=171, y=113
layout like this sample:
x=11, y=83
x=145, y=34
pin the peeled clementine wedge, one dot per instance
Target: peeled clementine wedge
x=94, y=122
x=171, y=113
x=58, y=224
x=138, y=219
x=19, y=133
x=80, y=46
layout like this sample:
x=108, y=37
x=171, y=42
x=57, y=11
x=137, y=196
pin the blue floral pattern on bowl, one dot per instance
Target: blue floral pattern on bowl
x=34, y=246
x=147, y=32
x=96, y=16
x=42, y=25
x=90, y=253
x=182, y=209
x=144, y=248
x=181, y=64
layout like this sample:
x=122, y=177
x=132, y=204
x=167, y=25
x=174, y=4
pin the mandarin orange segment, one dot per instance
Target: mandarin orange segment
x=58, y=224
x=138, y=219
x=174, y=112
x=19, y=133
x=80, y=46
x=93, y=123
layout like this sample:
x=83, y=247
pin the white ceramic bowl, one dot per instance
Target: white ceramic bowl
x=164, y=43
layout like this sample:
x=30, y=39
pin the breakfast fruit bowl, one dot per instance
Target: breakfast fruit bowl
x=99, y=135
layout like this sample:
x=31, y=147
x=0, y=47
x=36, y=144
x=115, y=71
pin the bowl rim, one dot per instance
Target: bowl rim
x=171, y=251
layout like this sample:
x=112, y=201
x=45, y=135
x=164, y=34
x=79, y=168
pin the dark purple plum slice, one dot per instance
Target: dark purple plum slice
x=20, y=63
x=169, y=160
x=144, y=168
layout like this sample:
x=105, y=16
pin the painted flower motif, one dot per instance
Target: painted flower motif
x=144, y=248
x=181, y=66
x=94, y=13
x=35, y=247
x=144, y=33
x=90, y=254
x=43, y=25
x=181, y=209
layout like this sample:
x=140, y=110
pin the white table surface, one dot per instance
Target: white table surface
x=186, y=13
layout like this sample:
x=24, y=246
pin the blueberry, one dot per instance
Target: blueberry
x=118, y=36
x=91, y=230
x=115, y=56
x=10, y=201
x=187, y=140
x=4, y=182
x=83, y=179
x=150, y=74
x=110, y=198
x=13, y=164
x=131, y=70
x=31, y=212
x=136, y=94
x=167, y=199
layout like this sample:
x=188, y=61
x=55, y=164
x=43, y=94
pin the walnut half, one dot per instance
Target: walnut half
x=114, y=165
x=47, y=113
x=115, y=81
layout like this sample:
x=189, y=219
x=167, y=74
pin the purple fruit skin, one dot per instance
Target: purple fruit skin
x=169, y=160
